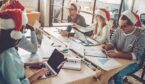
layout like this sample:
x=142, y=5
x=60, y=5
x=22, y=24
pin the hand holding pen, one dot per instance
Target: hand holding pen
x=107, y=46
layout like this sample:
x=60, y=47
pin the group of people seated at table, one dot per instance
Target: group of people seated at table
x=126, y=42
x=100, y=27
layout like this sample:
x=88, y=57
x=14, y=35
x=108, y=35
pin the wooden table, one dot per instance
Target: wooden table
x=84, y=76
x=105, y=75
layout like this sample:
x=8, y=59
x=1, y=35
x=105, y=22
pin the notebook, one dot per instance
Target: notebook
x=86, y=41
x=94, y=53
x=55, y=62
x=72, y=63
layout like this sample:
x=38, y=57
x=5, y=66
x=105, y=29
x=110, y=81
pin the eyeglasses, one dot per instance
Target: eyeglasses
x=71, y=9
x=123, y=26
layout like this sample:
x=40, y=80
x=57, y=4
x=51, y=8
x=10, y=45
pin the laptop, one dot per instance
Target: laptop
x=55, y=63
x=85, y=39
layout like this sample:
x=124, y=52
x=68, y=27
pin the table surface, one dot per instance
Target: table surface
x=105, y=75
x=85, y=75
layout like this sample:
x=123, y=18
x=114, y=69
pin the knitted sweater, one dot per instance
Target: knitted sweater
x=129, y=43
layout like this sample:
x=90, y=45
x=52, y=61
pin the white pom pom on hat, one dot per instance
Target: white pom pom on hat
x=16, y=34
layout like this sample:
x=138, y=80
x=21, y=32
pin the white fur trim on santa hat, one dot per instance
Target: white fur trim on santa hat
x=9, y=23
x=16, y=35
x=101, y=13
x=130, y=16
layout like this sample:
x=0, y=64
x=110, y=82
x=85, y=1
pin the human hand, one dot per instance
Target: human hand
x=64, y=33
x=93, y=37
x=36, y=64
x=107, y=46
x=38, y=74
x=75, y=26
x=111, y=53
x=29, y=27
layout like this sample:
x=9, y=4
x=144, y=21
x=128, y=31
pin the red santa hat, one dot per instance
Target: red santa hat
x=104, y=13
x=133, y=17
x=14, y=10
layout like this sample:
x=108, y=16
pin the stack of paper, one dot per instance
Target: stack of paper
x=72, y=63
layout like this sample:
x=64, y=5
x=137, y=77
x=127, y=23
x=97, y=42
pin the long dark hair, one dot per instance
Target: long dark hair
x=6, y=41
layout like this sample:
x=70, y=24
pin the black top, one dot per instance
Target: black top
x=6, y=41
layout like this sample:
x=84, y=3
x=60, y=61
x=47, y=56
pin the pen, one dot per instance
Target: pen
x=105, y=51
x=84, y=52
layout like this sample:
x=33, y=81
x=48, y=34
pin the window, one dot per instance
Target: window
x=88, y=7
x=139, y=6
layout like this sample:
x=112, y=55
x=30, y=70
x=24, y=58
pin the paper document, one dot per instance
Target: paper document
x=95, y=53
x=107, y=63
x=72, y=63
x=62, y=24
x=78, y=48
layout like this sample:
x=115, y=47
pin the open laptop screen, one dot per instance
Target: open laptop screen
x=85, y=39
x=56, y=61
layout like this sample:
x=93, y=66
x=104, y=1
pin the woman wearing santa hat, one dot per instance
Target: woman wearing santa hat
x=11, y=66
x=30, y=46
x=127, y=42
x=100, y=27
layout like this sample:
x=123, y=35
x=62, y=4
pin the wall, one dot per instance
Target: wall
x=32, y=4
x=139, y=6
x=44, y=9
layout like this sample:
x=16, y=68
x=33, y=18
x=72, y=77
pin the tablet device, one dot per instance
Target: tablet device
x=55, y=62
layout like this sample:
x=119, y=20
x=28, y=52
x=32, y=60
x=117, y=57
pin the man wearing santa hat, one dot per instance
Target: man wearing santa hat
x=75, y=18
x=127, y=42
x=30, y=46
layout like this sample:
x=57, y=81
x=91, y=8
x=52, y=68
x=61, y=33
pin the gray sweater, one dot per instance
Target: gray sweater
x=27, y=45
x=131, y=43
